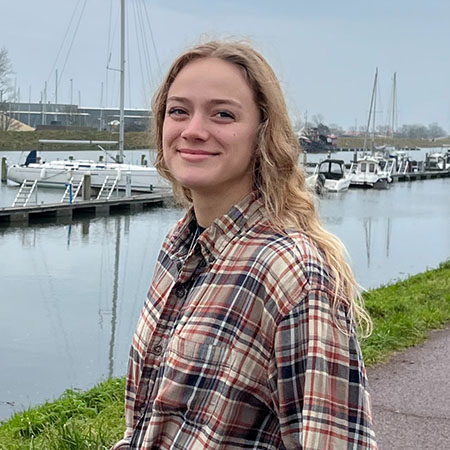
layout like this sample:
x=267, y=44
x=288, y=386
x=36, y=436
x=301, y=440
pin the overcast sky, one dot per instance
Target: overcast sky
x=324, y=52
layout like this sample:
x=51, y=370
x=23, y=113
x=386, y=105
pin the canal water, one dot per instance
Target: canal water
x=70, y=294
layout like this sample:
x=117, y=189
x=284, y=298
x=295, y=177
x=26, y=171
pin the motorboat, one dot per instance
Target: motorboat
x=371, y=172
x=438, y=160
x=59, y=173
x=336, y=176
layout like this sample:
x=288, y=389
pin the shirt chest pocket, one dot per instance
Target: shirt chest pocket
x=193, y=380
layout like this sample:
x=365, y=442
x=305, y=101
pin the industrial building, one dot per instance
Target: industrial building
x=51, y=115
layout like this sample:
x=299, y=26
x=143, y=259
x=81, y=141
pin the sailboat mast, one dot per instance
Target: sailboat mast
x=374, y=112
x=372, y=102
x=122, y=82
x=394, y=104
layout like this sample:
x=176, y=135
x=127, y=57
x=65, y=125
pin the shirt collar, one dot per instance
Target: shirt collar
x=222, y=231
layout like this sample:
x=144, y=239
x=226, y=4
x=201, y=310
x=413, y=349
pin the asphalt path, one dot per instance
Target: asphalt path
x=411, y=397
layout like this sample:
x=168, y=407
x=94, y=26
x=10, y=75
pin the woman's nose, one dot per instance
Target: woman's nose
x=196, y=128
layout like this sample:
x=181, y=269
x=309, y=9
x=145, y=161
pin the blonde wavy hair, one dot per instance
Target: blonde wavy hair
x=277, y=176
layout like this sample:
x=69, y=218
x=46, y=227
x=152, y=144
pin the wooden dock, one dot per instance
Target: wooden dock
x=66, y=212
x=425, y=175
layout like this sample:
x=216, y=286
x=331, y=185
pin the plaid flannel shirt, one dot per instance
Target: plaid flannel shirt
x=236, y=346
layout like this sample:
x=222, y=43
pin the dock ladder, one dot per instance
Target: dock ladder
x=26, y=190
x=108, y=187
x=76, y=187
x=404, y=165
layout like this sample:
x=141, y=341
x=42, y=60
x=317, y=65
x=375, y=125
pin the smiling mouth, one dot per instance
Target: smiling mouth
x=186, y=151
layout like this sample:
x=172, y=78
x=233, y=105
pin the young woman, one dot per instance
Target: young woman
x=248, y=337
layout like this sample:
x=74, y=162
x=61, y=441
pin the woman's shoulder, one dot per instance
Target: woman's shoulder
x=288, y=255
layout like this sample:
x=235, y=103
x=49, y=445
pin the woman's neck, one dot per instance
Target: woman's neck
x=209, y=207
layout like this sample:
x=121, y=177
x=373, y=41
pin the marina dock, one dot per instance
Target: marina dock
x=66, y=212
x=425, y=175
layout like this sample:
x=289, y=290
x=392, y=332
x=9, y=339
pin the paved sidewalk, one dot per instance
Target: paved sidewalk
x=411, y=397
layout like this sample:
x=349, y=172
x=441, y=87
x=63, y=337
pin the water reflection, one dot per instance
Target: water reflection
x=70, y=294
x=368, y=233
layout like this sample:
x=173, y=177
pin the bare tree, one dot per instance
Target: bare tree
x=317, y=119
x=6, y=90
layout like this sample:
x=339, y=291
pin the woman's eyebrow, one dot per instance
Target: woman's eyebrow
x=214, y=101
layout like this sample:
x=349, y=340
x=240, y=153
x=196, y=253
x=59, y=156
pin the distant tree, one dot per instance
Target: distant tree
x=384, y=130
x=415, y=131
x=6, y=91
x=435, y=131
x=317, y=119
x=323, y=129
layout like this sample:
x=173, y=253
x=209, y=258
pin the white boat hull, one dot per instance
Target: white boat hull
x=57, y=175
x=337, y=185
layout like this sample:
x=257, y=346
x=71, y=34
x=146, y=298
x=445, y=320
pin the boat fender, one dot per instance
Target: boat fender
x=42, y=174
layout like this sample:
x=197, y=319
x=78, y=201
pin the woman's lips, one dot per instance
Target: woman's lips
x=195, y=155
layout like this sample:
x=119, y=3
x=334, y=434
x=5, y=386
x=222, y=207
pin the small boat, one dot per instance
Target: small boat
x=59, y=173
x=371, y=172
x=438, y=160
x=312, y=141
x=336, y=178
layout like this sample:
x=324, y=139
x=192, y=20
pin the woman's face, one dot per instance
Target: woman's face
x=210, y=128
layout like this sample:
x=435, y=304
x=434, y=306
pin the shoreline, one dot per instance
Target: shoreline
x=29, y=140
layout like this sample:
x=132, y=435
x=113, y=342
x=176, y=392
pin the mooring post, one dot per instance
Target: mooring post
x=4, y=169
x=128, y=184
x=87, y=186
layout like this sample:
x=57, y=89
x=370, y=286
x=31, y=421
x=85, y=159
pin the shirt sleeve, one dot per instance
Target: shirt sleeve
x=318, y=381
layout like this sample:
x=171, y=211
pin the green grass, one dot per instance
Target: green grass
x=403, y=315
x=29, y=140
x=76, y=421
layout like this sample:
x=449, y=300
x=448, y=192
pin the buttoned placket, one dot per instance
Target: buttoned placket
x=194, y=263
x=177, y=297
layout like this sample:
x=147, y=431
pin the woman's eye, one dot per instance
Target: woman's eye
x=225, y=115
x=175, y=111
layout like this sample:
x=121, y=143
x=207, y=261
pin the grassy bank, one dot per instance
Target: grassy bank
x=20, y=140
x=403, y=315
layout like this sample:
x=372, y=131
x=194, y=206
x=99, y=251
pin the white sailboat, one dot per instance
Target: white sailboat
x=59, y=173
x=370, y=170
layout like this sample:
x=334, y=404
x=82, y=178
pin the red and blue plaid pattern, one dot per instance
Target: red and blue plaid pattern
x=236, y=346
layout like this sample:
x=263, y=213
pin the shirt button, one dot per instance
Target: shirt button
x=180, y=291
x=157, y=349
x=211, y=259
